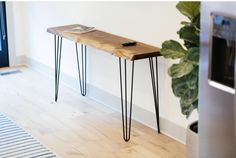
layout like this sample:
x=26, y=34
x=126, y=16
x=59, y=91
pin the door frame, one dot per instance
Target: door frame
x=5, y=42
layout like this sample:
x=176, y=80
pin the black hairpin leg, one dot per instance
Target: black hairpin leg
x=154, y=78
x=82, y=68
x=126, y=111
x=57, y=47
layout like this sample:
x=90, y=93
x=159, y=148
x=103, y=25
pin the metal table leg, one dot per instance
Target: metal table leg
x=57, y=47
x=154, y=78
x=82, y=68
x=126, y=111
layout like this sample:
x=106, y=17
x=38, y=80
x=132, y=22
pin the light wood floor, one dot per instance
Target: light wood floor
x=76, y=126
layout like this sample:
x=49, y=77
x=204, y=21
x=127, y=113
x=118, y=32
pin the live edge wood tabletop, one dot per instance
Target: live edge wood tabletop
x=108, y=42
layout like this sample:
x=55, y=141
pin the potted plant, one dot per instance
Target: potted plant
x=184, y=74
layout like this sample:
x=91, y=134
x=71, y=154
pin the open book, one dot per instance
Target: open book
x=80, y=29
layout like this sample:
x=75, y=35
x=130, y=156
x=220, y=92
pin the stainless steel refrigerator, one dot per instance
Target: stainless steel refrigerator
x=217, y=87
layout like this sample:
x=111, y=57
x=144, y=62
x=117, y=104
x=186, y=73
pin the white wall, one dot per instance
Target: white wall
x=149, y=22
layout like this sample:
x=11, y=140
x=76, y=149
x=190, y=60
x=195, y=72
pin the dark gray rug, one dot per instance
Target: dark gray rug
x=9, y=72
x=17, y=143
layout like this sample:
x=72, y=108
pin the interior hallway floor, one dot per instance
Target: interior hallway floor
x=75, y=126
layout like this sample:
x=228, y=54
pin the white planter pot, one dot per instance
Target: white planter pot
x=191, y=142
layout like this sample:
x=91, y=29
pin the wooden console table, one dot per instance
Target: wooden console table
x=112, y=44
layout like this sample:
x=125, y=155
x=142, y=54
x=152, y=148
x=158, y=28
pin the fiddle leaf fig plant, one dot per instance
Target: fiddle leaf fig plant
x=184, y=74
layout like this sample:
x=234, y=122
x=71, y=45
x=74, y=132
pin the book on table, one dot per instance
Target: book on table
x=80, y=29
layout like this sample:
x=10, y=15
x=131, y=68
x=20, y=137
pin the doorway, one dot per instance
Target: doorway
x=4, y=59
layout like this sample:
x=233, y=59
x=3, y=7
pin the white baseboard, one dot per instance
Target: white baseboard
x=168, y=127
x=21, y=60
x=17, y=61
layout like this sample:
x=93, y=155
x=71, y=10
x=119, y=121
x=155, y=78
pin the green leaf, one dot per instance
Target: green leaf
x=193, y=55
x=180, y=70
x=185, y=23
x=189, y=34
x=196, y=24
x=172, y=49
x=189, y=9
x=192, y=79
x=196, y=21
x=187, y=106
x=186, y=85
x=188, y=23
x=188, y=44
x=179, y=87
x=186, y=88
